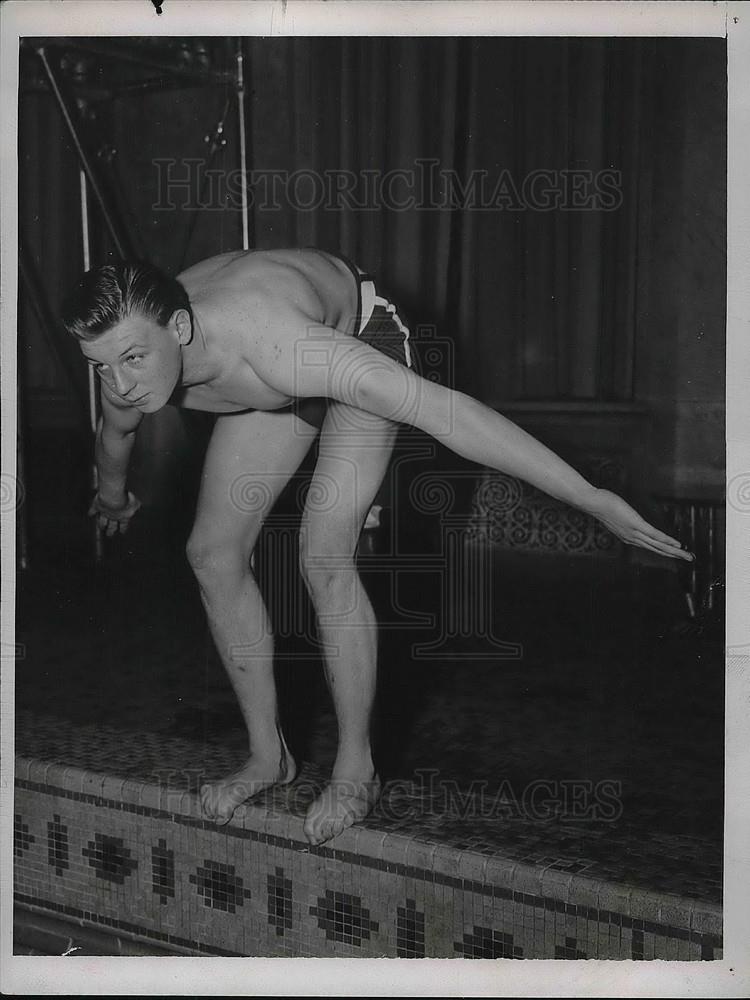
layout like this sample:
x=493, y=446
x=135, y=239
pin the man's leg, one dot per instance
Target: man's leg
x=249, y=461
x=355, y=448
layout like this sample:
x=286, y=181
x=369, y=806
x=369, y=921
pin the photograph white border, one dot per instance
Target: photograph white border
x=397, y=977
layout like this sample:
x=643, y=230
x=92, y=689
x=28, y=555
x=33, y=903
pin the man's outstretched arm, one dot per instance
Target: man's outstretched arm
x=324, y=362
x=477, y=432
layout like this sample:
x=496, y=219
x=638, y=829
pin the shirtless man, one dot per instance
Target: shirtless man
x=286, y=345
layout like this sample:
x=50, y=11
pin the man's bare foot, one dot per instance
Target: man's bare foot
x=220, y=798
x=340, y=804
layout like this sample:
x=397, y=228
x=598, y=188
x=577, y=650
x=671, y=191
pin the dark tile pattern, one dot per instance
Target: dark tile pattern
x=110, y=858
x=343, y=918
x=409, y=931
x=569, y=950
x=57, y=846
x=488, y=943
x=682, y=864
x=162, y=871
x=319, y=866
x=22, y=839
x=279, y=902
x=219, y=886
x=710, y=943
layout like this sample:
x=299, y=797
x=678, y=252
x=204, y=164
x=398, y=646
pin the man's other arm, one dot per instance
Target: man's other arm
x=115, y=437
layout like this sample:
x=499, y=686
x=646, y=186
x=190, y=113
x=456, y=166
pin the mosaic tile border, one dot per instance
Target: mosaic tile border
x=675, y=864
x=498, y=901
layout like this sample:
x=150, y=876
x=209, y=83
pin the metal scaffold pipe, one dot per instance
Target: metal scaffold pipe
x=98, y=549
x=243, y=145
x=82, y=155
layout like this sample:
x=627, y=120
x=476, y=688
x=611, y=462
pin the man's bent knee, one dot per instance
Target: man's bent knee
x=326, y=573
x=217, y=560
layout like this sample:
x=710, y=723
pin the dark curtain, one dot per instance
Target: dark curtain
x=524, y=299
x=538, y=302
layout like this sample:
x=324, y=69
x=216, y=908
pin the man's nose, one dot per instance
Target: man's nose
x=122, y=385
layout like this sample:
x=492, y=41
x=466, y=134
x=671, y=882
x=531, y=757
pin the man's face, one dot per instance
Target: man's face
x=139, y=360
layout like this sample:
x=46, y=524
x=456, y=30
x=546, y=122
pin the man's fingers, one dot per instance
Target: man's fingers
x=110, y=525
x=646, y=543
x=654, y=534
x=669, y=548
x=661, y=536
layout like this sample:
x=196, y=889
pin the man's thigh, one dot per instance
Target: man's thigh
x=250, y=459
x=353, y=457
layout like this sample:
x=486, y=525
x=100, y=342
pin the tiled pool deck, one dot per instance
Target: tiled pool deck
x=123, y=710
x=134, y=856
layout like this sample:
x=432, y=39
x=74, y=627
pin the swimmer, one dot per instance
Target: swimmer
x=287, y=346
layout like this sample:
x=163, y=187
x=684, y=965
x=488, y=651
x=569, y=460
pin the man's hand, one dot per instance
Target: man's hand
x=114, y=517
x=628, y=525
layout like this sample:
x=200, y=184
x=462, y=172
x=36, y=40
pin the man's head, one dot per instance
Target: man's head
x=131, y=321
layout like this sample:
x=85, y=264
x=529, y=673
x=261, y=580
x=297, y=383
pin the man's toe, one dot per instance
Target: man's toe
x=206, y=802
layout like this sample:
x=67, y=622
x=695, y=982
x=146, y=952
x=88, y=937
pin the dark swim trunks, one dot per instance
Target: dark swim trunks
x=378, y=324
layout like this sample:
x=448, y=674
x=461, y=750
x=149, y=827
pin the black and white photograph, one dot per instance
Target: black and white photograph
x=374, y=496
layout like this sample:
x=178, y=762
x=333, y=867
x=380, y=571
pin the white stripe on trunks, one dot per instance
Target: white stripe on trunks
x=379, y=301
x=367, y=293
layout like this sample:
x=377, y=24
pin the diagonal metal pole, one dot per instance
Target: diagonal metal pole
x=243, y=144
x=94, y=477
x=240, y=85
x=86, y=164
x=87, y=176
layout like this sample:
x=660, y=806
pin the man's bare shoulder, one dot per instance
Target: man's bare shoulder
x=204, y=270
x=239, y=265
x=255, y=302
x=303, y=275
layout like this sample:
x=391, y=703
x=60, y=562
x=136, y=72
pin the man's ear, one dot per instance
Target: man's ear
x=183, y=324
